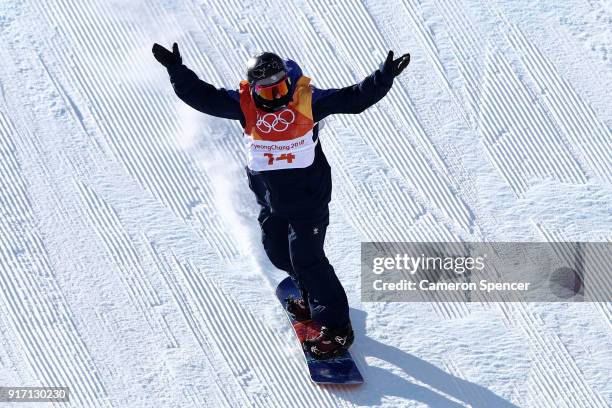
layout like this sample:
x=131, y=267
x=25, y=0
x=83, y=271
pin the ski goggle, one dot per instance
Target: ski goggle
x=273, y=91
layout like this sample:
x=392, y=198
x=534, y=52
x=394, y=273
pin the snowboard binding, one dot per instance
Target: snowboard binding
x=330, y=342
x=297, y=309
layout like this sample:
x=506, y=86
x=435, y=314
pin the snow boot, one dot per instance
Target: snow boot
x=298, y=310
x=330, y=342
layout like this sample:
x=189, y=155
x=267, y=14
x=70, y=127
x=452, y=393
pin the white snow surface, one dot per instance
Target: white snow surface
x=130, y=264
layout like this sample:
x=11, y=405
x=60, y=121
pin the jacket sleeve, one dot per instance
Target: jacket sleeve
x=351, y=99
x=203, y=96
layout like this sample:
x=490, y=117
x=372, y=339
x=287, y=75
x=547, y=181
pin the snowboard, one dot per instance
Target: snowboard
x=337, y=370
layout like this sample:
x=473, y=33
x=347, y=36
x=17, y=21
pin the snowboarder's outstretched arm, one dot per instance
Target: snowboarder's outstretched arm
x=357, y=98
x=193, y=91
x=203, y=96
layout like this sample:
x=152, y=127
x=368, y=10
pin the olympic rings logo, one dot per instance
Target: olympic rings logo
x=279, y=122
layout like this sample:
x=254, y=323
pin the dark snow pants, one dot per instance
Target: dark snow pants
x=297, y=248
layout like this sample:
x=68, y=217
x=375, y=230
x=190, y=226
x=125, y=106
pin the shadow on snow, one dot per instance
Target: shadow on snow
x=381, y=383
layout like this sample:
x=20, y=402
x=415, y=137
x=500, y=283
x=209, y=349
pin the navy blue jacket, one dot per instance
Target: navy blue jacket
x=296, y=194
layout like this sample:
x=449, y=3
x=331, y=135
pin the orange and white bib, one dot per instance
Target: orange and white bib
x=282, y=139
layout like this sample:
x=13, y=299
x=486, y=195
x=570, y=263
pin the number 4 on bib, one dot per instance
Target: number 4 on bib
x=289, y=157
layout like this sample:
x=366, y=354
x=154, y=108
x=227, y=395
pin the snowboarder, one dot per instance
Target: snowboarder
x=280, y=112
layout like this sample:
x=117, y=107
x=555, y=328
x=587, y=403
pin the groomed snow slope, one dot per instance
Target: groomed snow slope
x=130, y=263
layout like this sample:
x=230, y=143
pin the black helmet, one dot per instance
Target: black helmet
x=266, y=69
x=265, y=65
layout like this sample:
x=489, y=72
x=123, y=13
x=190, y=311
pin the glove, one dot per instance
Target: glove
x=395, y=67
x=165, y=57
